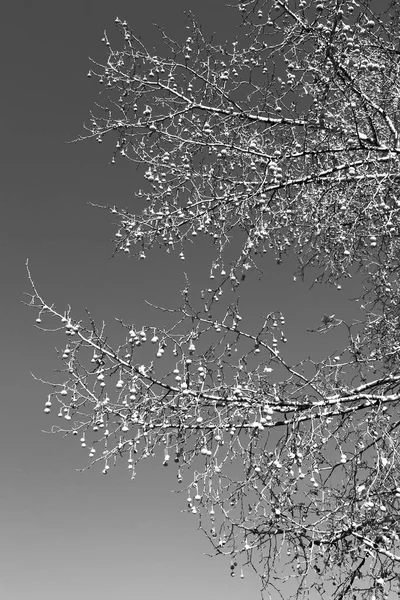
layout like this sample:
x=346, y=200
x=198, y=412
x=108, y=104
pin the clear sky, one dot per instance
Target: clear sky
x=66, y=534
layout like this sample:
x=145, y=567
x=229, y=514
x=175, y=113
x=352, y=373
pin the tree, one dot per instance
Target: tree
x=285, y=142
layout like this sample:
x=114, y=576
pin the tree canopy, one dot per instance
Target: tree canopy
x=283, y=142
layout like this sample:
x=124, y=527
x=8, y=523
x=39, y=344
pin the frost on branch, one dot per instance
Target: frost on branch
x=292, y=468
x=289, y=135
x=286, y=142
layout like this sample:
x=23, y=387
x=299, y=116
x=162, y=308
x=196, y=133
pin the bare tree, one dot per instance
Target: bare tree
x=285, y=141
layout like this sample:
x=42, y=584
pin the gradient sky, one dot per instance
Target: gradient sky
x=67, y=534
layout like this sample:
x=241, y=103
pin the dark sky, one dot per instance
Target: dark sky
x=66, y=534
